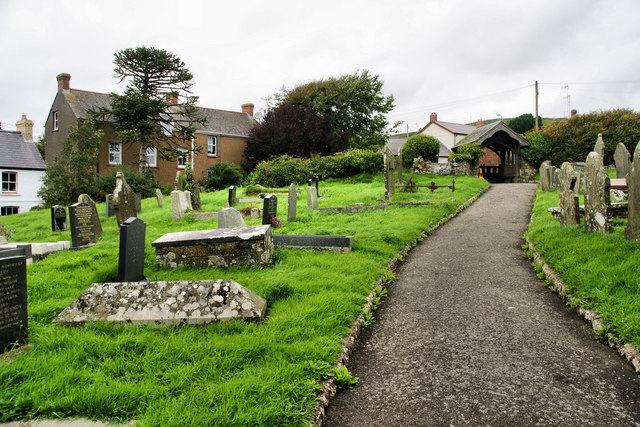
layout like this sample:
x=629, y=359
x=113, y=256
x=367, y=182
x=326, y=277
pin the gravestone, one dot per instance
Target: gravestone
x=14, y=328
x=124, y=200
x=159, y=198
x=187, y=199
x=622, y=159
x=317, y=182
x=138, y=202
x=195, y=198
x=178, y=205
x=312, y=198
x=292, y=207
x=599, y=147
x=597, y=204
x=58, y=218
x=269, y=208
x=632, y=230
x=254, y=213
x=131, y=255
x=82, y=223
x=232, y=195
x=85, y=198
x=109, y=209
x=545, y=177
x=177, y=183
x=552, y=177
x=229, y=218
x=569, y=202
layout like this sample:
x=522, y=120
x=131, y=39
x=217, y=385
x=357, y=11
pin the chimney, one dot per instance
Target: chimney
x=63, y=81
x=247, y=109
x=574, y=112
x=479, y=123
x=172, y=98
x=433, y=117
x=25, y=126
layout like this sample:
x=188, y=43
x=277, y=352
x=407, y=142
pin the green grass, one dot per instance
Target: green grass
x=601, y=270
x=231, y=373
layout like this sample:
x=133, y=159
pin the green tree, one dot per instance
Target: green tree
x=523, y=123
x=157, y=108
x=74, y=170
x=425, y=146
x=353, y=104
x=470, y=153
x=539, y=149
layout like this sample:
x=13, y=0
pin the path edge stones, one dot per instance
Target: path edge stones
x=329, y=388
x=627, y=350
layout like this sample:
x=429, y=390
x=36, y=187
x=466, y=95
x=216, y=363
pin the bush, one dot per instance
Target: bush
x=524, y=123
x=538, y=151
x=280, y=171
x=470, y=153
x=221, y=175
x=425, y=146
x=143, y=183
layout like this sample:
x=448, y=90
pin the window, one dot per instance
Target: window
x=9, y=210
x=183, y=159
x=212, y=145
x=115, y=157
x=152, y=157
x=55, y=120
x=9, y=182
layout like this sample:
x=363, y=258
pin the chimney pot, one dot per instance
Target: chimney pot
x=479, y=123
x=63, y=81
x=25, y=126
x=248, y=109
x=433, y=117
x=574, y=112
x=172, y=99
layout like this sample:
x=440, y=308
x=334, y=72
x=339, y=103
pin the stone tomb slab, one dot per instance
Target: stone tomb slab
x=166, y=303
x=322, y=242
x=223, y=247
x=14, y=329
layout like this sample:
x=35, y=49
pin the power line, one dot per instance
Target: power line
x=593, y=83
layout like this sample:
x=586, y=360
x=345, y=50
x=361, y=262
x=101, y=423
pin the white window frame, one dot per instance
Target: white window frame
x=152, y=157
x=183, y=159
x=9, y=182
x=115, y=153
x=55, y=121
x=15, y=210
x=210, y=139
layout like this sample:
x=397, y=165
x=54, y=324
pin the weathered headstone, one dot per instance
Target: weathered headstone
x=109, y=209
x=622, y=159
x=187, y=198
x=545, y=177
x=124, y=200
x=14, y=328
x=597, y=204
x=58, y=218
x=138, y=198
x=159, y=198
x=178, y=205
x=131, y=256
x=177, y=183
x=229, y=218
x=312, y=198
x=599, y=147
x=195, y=198
x=569, y=202
x=232, y=195
x=269, y=208
x=292, y=206
x=85, y=198
x=632, y=230
x=82, y=223
x=255, y=213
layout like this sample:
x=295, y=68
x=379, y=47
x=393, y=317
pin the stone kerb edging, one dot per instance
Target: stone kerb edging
x=593, y=318
x=330, y=387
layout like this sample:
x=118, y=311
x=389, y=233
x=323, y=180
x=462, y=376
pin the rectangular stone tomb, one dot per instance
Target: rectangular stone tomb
x=328, y=243
x=166, y=303
x=223, y=247
x=14, y=328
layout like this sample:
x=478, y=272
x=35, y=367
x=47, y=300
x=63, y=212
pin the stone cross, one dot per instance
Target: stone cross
x=292, y=203
x=632, y=230
x=159, y=198
x=599, y=147
x=545, y=178
x=597, y=204
x=84, y=198
x=124, y=200
x=569, y=203
x=622, y=159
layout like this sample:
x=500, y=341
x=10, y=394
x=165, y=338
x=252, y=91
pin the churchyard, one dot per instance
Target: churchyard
x=225, y=373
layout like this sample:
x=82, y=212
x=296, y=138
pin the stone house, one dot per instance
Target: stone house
x=21, y=169
x=222, y=138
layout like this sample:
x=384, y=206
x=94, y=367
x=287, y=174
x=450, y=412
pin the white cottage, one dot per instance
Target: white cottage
x=449, y=134
x=21, y=170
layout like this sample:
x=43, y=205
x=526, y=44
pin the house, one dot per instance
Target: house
x=21, y=169
x=396, y=143
x=449, y=134
x=222, y=138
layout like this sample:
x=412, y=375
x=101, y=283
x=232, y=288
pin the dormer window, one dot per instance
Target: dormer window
x=55, y=120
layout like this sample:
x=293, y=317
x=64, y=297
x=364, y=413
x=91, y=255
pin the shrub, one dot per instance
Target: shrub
x=280, y=171
x=524, y=123
x=221, y=175
x=470, y=153
x=539, y=149
x=346, y=164
x=425, y=146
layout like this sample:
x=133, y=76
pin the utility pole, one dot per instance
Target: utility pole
x=537, y=93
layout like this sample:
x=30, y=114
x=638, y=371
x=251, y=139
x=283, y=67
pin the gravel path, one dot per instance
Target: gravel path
x=469, y=336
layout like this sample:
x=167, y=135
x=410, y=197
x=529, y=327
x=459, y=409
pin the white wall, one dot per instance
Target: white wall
x=443, y=135
x=29, y=182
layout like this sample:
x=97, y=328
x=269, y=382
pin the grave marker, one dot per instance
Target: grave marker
x=269, y=208
x=131, y=256
x=292, y=207
x=545, y=177
x=14, y=327
x=178, y=205
x=159, y=198
x=82, y=222
x=597, y=203
x=599, y=147
x=312, y=198
x=622, y=159
x=229, y=218
x=109, y=209
x=85, y=198
x=138, y=199
x=632, y=230
x=124, y=200
x=569, y=202
x=58, y=218
x=232, y=196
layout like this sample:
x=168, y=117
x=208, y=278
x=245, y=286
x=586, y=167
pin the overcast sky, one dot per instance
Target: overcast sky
x=464, y=60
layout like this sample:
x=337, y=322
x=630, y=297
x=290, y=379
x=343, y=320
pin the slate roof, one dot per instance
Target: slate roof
x=485, y=132
x=455, y=128
x=219, y=122
x=16, y=153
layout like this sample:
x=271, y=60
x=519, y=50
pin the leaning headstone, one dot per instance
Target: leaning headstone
x=232, y=196
x=312, y=198
x=138, y=202
x=159, y=198
x=269, y=209
x=14, y=329
x=178, y=205
x=85, y=198
x=545, y=178
x=82, y=223
x=109, y=209
x=622, y=159
x=229, y=218
x=58, y=218
x=131, y=255
x=599, y=147
x=124, y=200
x=597, y=203
x=293, y=203
x=569, y=202
x=632, y=230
